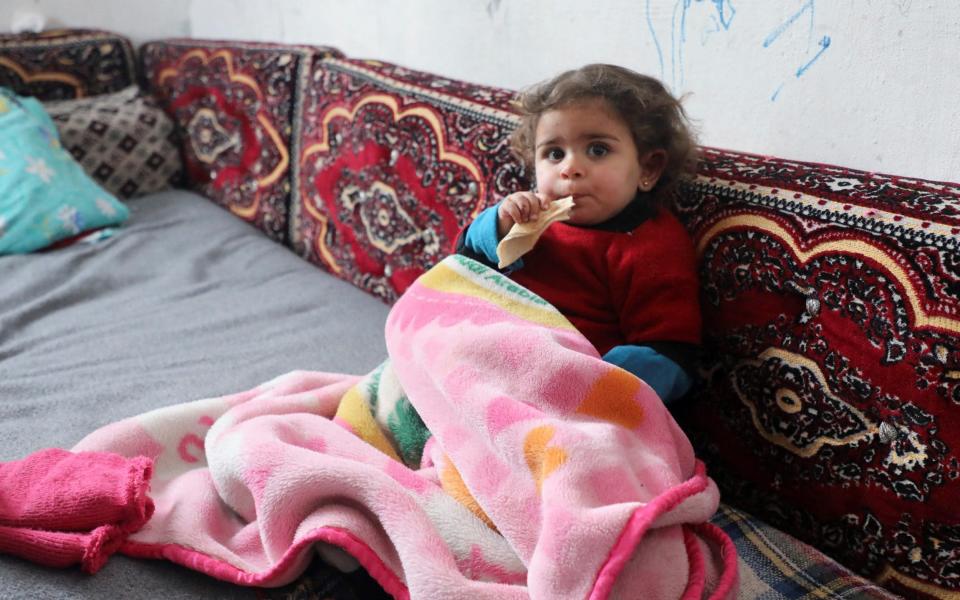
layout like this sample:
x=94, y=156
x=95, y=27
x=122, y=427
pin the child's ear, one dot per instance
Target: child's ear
x=652, y=164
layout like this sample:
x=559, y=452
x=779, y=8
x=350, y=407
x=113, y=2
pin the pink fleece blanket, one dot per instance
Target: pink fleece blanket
x=494, y=455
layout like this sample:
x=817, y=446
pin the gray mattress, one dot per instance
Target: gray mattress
x=186, y=302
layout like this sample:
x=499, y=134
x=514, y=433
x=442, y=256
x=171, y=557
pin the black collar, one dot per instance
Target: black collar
x=639, y=210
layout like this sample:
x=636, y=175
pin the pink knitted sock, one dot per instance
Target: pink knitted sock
x=60, y=508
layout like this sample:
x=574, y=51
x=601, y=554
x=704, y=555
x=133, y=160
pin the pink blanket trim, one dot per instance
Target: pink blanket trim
x=726, y=586
x=698, y=579
x=638, y=525
x=192, y=559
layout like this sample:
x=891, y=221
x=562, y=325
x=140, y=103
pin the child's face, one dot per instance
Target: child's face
x=585, y=150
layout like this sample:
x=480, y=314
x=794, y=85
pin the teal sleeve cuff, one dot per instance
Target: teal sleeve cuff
x=666, y=377
x=481, y=237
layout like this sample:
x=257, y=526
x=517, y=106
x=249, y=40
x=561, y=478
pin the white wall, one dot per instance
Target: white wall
x=138, y=19
x=870, y=84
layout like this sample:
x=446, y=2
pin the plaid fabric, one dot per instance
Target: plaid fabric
x=774, y=565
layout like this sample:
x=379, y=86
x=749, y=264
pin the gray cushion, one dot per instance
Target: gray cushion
x=185, y=302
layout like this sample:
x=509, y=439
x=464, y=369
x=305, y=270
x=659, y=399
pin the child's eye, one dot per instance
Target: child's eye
x=553, y=154
x=597, y=150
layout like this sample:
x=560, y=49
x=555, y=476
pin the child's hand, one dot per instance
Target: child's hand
x=519, y=207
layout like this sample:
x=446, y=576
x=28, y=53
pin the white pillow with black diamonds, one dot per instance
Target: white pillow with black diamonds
x=123, y=140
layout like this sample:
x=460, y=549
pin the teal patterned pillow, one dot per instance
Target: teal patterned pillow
x=45, y=196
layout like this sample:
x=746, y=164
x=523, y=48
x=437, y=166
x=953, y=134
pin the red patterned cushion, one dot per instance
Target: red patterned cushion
x=832, y=316
x=66, y=63
x=233, y=104
x=393, y=162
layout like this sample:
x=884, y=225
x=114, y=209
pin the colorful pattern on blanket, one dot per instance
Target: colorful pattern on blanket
x=545, y=473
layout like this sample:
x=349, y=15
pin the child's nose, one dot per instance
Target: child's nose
x=572, y=167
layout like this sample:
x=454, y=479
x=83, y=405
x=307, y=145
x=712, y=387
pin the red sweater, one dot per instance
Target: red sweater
x=619, y=288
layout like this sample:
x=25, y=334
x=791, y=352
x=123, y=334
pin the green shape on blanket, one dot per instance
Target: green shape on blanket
x=408, y=431
x=45, y=196
x=394, y=413
x=372, y=384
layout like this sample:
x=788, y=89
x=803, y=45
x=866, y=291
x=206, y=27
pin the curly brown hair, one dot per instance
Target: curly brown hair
x=656, y=119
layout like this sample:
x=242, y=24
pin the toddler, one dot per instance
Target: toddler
x=622, y=269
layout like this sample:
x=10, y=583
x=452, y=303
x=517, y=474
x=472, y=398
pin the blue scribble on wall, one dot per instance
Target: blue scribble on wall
x=721, y=20
x=808, y=7
x=721, y=17
x=725, y=12
x=776, y=93
x=713, y=17
x=676, y=49
x=824, y=44
x=776, y=33
x=653, y=34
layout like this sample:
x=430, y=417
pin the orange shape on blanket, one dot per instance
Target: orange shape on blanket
x=542, y=460
x=453, y=484
x=613, y=398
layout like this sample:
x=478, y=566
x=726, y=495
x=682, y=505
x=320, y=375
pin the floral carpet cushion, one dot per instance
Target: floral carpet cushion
x=45, y=197
x=831, y=303
x=123, y=140
x=392, y=163
x=66, y=63
x=232, y=103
